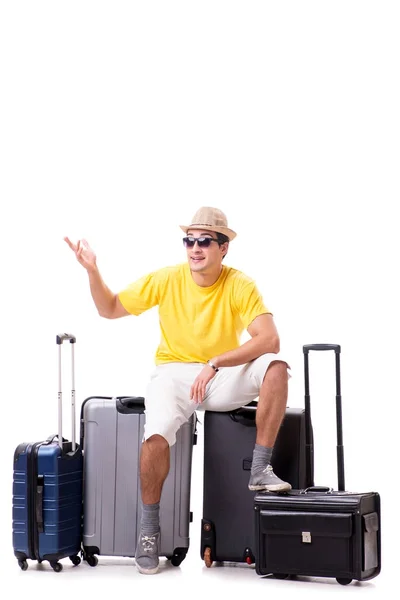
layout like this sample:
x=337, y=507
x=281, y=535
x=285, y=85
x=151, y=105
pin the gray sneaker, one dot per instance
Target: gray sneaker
x=268, y=481
x=146, y=555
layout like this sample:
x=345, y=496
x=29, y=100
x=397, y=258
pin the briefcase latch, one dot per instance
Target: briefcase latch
x=306, y=537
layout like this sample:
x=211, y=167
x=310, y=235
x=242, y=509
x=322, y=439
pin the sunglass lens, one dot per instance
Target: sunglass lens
x=188, y=242
x=203, y=242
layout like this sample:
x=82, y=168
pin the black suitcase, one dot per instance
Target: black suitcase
x=227, y=527
x=318, y=531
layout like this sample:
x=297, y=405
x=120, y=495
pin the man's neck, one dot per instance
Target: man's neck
x=206, y=279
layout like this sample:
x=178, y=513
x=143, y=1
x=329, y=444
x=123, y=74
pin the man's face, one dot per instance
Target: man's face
x=200, y=258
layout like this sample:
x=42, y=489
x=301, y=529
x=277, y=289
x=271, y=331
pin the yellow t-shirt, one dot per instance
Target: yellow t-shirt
x=196, y=322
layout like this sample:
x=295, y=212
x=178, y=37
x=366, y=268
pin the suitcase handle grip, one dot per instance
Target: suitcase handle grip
x=245, y=415
x=51, y=438
x=317, y=488
x=131, y=400
x=62, y=337
x=130, y=404
x=309, y=347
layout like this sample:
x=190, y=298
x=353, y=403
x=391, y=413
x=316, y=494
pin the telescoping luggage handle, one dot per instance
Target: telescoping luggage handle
x=339, y=426
x=62, y=337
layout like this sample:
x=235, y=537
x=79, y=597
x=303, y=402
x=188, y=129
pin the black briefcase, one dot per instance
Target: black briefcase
x=318, y=531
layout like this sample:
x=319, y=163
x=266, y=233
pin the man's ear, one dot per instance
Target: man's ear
x=225, y=247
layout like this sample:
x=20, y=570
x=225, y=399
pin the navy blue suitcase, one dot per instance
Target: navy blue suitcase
x=47, y=493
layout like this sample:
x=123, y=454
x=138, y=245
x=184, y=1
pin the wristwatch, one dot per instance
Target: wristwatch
x=213, y=366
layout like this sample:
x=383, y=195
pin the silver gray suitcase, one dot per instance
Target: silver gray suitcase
x=111, y=438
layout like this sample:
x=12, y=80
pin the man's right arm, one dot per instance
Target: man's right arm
x=107, y=303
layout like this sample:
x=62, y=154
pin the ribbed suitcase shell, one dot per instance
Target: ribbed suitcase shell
x=47, y=490
x=112, y=436
x=42, y=473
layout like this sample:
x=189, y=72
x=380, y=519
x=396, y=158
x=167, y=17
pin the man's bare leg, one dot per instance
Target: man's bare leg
x=272, y=403
x=269, y=416
x=154, y=468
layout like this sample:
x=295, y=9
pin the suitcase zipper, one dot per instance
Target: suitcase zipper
x=34, y=529
x=30, y=496
x=306, y=505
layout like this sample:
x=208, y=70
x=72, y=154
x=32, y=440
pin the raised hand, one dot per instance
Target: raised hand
x=83, y=252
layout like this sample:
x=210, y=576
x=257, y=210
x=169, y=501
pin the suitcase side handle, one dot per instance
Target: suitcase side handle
x=39, y=503
x=339, y=424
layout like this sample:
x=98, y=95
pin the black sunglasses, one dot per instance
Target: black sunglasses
x=203, y=242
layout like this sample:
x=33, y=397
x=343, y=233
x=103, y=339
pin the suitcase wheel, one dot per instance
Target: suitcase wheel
x=344, y=580
x=23, y=564
x=56, y=566
x=75, y=560
x=178, y=556
x=280, y=575
x=207, y=557
x=91, y=560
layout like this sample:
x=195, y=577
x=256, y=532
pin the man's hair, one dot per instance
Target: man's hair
x=222, y=239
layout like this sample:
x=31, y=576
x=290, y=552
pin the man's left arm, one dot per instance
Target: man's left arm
x=264, y=339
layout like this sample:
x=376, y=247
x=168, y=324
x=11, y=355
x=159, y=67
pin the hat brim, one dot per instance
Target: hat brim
x=230, y=234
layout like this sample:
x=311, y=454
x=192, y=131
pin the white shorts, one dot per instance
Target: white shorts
x=168, y=404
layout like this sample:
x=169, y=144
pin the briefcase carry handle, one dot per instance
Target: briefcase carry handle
x=317, y=488
x=60, y=338
x=339, y=426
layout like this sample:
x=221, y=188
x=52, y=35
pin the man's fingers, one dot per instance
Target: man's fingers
x=196, y=392
x=203, y=392
x=70, y=244
x=200, y=392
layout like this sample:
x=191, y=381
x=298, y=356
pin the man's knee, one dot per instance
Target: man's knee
x=156, y=440
x=277, y=372
x=162, y=435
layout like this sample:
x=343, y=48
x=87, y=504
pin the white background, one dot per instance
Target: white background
x=120, y=119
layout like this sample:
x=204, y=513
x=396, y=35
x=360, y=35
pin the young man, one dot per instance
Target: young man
x=204, y=306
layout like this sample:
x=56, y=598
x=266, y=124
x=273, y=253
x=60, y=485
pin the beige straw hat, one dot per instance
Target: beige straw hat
x=210, y=219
